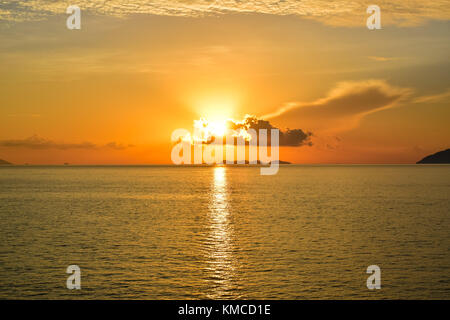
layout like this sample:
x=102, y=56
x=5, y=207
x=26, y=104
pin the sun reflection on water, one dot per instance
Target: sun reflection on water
x=221, y=266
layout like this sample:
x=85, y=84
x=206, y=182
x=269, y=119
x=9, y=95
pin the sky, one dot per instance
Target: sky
x=114, y=91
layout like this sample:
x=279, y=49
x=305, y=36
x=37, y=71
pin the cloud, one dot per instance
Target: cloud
x=36, y=142
x=343, y=107
x=206, y=132
x=289, y=137
x=118, y=146
x=381, y=59
x=433, y=98
x=332, y=12
x=24, y=115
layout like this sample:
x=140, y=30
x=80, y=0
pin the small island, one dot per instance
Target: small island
x=5, y=163
x=259, y=162
x=438, y=157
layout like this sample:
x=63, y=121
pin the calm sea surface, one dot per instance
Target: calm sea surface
x=162, y=232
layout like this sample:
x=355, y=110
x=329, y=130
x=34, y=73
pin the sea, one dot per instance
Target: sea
x=225, y=232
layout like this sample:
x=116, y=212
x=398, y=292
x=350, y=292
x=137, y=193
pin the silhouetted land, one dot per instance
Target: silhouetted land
x=4, y=163
x=438, y=157
x=259, y=162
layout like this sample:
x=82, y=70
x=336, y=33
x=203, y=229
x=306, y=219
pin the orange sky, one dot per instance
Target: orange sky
x=113, y=92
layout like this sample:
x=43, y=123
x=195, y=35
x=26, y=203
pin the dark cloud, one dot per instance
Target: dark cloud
x=36, y=142
x=289, y=137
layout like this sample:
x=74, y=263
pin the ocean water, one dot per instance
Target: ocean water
x=165, y=232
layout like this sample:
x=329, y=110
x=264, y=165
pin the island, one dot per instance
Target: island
x=259, y=162
x=438, y=157
x=4, y=163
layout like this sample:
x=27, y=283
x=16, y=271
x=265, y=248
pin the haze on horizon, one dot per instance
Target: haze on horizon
x=114, y=91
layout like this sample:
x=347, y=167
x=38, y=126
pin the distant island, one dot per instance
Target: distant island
x=235, y=163
x=259, y=162
x=4, y=163
x=438, y=157
x=282, y=162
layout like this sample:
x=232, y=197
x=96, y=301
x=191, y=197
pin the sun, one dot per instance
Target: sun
x=218, y=128
x=205, y=129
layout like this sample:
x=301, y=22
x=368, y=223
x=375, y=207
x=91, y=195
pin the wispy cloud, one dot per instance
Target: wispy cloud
x=24, y=115
x=382, y=59
x=343, y=108
x=36, y=142
x=433, y=98
x=333, y=12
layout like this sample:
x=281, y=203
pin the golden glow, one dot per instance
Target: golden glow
x=219, y=245
x=216, y=107
x=204, y=130
x=217, y=69
x=218, y=128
